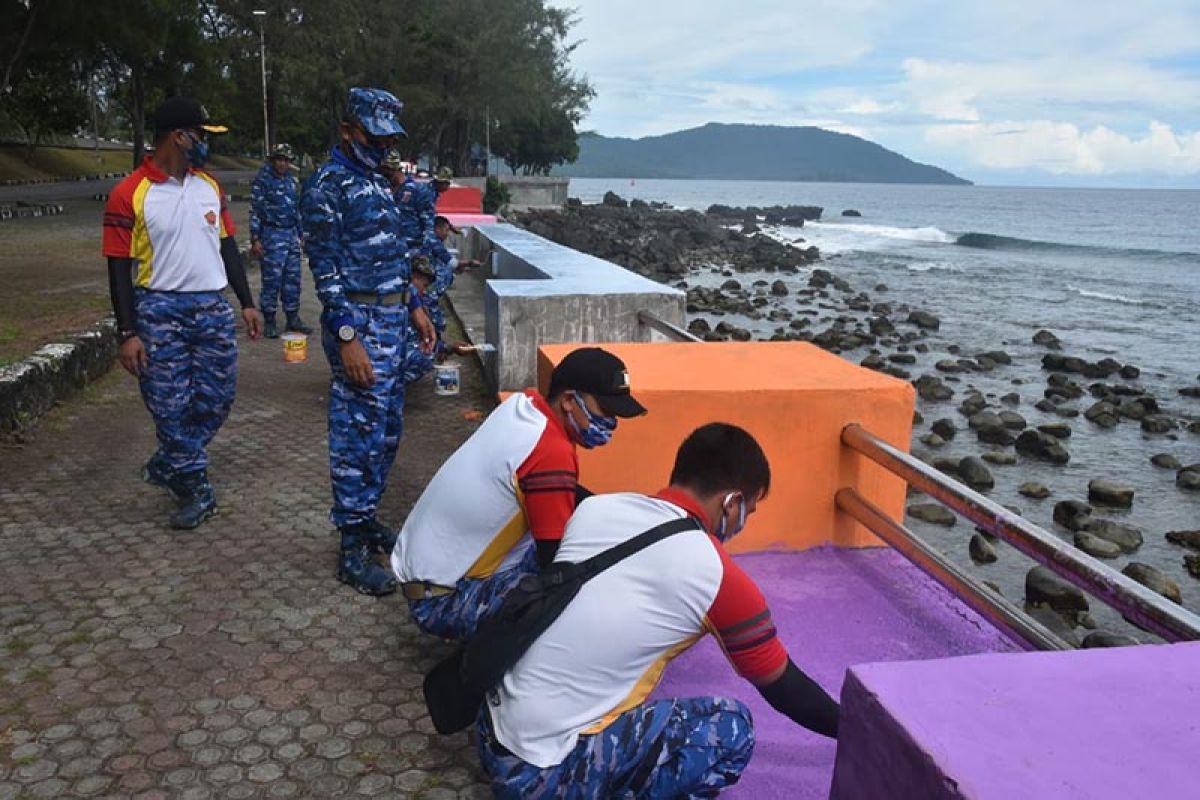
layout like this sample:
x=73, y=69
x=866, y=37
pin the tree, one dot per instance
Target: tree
x=46, y=99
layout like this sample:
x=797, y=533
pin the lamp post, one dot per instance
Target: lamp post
x=262, y=56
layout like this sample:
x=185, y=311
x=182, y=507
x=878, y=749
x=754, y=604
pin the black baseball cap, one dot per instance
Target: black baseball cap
x=184, y=113
x=602, y=375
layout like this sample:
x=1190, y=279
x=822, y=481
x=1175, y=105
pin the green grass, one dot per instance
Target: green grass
x=65, y=162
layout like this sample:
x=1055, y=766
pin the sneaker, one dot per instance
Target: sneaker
x=379, y=538
x=294, y=323
x=269, y=329
x=156, y=473
x=200, y=501
x=358, y=570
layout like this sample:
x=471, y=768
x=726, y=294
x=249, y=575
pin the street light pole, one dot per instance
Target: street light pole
x=262, y=55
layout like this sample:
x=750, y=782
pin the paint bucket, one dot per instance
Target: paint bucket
x=295, y=347
x=445, y=379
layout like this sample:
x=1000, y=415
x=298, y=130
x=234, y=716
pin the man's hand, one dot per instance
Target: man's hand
x=420, y=321
x=132, y=355
x=356, y=363
x=256, y=249
x=254, y=322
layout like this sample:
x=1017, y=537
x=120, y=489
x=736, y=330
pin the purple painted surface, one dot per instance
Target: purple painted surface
x=833, y=608
x=1096, y=724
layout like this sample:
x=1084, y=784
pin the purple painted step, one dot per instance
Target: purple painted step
x=833, y=608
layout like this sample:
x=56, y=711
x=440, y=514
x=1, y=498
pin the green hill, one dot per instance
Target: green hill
x=750, y=152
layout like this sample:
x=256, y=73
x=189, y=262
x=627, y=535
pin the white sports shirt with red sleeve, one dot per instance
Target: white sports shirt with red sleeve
x=608, y=650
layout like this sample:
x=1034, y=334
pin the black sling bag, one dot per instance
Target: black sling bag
x=455, y=688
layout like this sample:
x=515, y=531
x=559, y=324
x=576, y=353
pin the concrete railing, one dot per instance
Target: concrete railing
x=543, y=293
x=528, y=191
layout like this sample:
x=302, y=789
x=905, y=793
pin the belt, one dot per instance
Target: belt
x=424, y=590
x=376, y=299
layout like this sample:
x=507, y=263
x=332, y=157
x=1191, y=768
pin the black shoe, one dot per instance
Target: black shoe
x=157, y=473
x=358, y=570
x=269, y=329
x=200, y=501
x=379, y=538
x=294, y=323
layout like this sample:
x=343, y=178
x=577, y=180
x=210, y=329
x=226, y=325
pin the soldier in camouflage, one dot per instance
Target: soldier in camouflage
x=416, y=206
x=362, y=274
x=275, y=240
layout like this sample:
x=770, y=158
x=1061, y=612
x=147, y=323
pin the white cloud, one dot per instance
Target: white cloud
x=1063, y=148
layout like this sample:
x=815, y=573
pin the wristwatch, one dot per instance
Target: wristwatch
x=125, y=336
x=346, y=333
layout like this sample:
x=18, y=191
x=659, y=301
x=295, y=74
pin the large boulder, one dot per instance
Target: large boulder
x=1105, y=492
x=1157, y=423
x=1189, y=478
x=944, y=428
x=615, y=200
x=1155, y=579
x=1072, y=514
x=1192, y=565
x=1095, y=546
x=1013, y=421
x=1102, y=638
x=923, y=319
x=930, y=387
x=1103, y=414
x=1043, y=586
x=1000, y=457
x=1037, y=491
x=1059, y=430
x=1185, y=538
x=1166, y=461
x=974, y=473
x=933, y=513
x=1042, y=446
x=1047, y=339
x=1126, y=537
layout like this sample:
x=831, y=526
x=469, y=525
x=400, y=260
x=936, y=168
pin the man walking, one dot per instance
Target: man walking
x=275, y=240
x=362, y=275
x=168, y=221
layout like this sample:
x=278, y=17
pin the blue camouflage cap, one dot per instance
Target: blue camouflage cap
x=377, y=110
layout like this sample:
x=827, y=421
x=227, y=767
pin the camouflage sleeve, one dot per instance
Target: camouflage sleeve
x=257, y=200
x=321, y=222
x=427, y=208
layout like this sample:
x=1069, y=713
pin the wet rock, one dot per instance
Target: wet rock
x=1059, y=430
x=1154, y=579
x=930, y=387
x=1043, y=586
x=1066, y=411
x=902, y=358
x=923, y=319
x=973, y=404
x=933, y=513
x=1166, y=461
x=1041, y=446
x=1001, y=458
x=1192, y=565
x=699, y=326
x=1103, y=414
x=1189, y=478
x=1185, y=538
x=1033, y=489
x=944, y=428
x=1072, y=514
x=1190, y=391
x=732, y=285
x=1012, y=420
x=974, y=473
x=1133, y=409
x=1157, y=423
x=1054, y=622
x=946, y=464
x=1129, y=372
x=615, y=200
x=918, y=418
x=851, y=212
x=1046, y=406
x=1102, y=638
x=1127, y=537
x=933, y=440
x=981, y=550
x=1095, y=546
x=873, y=361
x=779, y=289
x=1011, y=399
x=997, y=356
x=1105, y=492
x=1047, y=339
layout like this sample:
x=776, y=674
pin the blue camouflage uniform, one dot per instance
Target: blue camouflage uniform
x=417, y=363
x=275, y=222
x=361, y=271
x=417, y=210
x=708, y=742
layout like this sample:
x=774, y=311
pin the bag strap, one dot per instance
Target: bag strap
x=593, y=566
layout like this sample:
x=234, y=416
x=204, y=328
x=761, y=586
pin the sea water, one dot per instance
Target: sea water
x=1112, y=272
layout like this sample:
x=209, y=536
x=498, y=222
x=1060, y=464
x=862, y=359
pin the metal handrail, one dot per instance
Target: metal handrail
x=1004, y=615
x=1137, y=603
x=670, y=329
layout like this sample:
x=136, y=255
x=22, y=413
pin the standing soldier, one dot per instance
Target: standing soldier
x=168, y=220
x=359, y=263
x=411, y=199
x=275, y=240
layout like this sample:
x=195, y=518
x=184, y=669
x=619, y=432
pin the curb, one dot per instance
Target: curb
x=32, y=386
x=75, y=179
x=21, y=210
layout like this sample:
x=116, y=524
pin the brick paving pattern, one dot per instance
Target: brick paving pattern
x=138, y=662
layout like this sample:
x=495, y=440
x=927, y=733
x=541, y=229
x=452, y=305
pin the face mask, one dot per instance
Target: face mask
x=367, y=155
x=197, y=156
x=721, y=533
x=599, y=430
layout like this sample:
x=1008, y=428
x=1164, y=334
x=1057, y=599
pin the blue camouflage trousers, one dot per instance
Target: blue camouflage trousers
x=458, y=614
x=280, y=269
x=365, y=423
x=691, y=747
x=189, y=383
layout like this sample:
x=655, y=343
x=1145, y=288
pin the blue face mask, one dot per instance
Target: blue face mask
x=599, y=430
x=369, y=156
x=722, y=534
x=198, y=155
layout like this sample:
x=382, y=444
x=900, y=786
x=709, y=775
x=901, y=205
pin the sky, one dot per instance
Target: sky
x=1016, y=92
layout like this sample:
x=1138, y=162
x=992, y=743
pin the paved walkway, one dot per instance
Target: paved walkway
x=138, y=662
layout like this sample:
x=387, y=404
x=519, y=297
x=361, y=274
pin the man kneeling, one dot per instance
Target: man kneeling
x=571, y=718
x=498, y=506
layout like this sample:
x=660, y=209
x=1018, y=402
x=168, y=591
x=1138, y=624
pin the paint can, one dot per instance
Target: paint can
x=445, y=379
x=295, y=347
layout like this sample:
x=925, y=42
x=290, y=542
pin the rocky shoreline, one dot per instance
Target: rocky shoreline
x=742, y=282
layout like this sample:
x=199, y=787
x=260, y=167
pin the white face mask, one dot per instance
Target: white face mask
x=722, y=534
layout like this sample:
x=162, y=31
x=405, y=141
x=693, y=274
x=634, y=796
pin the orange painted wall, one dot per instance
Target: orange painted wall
x=794, y=398
x=460, y=200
